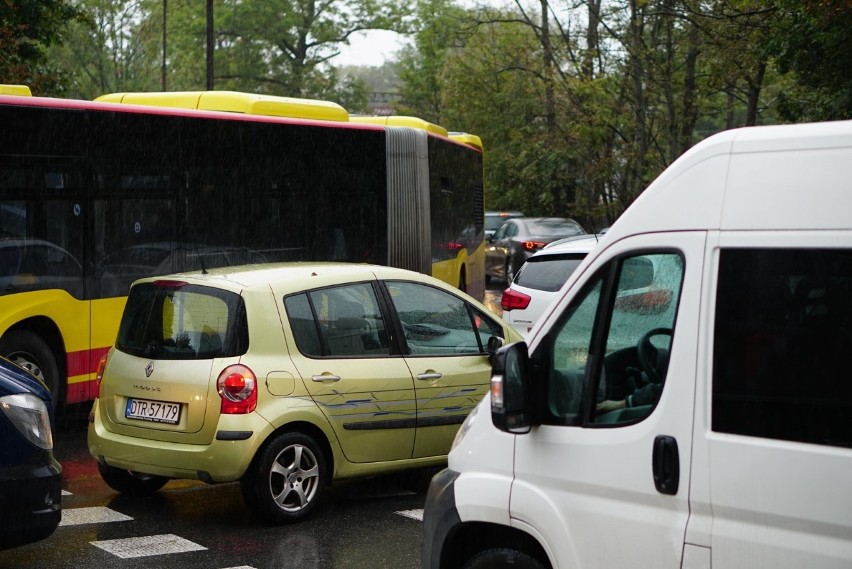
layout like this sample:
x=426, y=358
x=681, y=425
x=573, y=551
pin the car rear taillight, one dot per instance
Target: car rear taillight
x=534, y=245
x=514, y=300
x=100, y=375
x=237, y=386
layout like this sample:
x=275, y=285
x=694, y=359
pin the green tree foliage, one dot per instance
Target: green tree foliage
x=273, y=46
x=112, y=48
x=813, y=41
x=261, y=46
x=581, y=105
x=27, y=29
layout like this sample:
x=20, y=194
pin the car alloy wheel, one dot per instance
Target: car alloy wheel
x=286, y=479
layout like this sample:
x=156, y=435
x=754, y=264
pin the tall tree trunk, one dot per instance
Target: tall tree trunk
x=690, y=108
x=754, y=87
x=592, y=39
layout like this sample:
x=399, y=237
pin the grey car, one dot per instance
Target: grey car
x=517, y=239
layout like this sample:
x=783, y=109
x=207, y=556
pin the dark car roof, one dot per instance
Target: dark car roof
x=540, y=225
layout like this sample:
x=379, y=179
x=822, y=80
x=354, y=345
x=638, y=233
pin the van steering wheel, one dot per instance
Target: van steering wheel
x=649, y=356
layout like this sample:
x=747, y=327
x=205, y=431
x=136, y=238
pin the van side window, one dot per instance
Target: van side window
x=782, y=342
x=610, y=354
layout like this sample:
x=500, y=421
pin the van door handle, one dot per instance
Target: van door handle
x=430, y=375
x=325, y=377
x=666, y=465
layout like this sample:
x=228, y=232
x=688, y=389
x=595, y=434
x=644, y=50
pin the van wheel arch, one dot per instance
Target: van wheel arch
x=472, y=539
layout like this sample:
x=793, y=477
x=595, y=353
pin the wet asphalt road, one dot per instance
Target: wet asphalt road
x=371, y=523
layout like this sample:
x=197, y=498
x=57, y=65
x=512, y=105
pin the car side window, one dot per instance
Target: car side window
x=501, y=231
x=609, y=355
x=437, y=323
x=783, y=333
x=343, y=321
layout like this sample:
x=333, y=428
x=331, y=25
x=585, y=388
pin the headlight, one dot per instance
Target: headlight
x=465, y=427
x=29, y=415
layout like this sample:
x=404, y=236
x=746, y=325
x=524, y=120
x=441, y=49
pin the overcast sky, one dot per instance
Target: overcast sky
x=370, y=48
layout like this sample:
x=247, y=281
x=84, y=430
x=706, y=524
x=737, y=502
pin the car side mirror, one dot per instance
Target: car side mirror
x=511, y=403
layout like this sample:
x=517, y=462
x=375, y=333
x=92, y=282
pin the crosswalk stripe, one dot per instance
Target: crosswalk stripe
x=413, y=514
x=79, y=516
x=131, y=547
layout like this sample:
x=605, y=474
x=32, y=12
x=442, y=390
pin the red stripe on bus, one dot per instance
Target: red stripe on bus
x=84, y=362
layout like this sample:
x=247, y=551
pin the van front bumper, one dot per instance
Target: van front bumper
x=440, y=518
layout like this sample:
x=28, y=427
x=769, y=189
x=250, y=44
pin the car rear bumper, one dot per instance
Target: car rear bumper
x=223, y=459
x=31, y=507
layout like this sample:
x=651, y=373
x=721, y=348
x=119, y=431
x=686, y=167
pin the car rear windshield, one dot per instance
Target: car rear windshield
x=548, y=272
x=169, y=320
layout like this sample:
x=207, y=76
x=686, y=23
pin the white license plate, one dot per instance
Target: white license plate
x=155, y=411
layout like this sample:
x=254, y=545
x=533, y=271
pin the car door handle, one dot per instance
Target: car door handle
x=325, y=377
x=430, y=375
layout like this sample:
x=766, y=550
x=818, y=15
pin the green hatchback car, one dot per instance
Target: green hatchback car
x=286, y=377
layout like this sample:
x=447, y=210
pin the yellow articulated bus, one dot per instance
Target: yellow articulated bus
x=94, y=195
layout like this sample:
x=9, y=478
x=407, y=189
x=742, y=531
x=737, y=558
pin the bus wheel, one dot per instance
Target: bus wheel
x=131, y=483
x=462, y=282
x=30, y=352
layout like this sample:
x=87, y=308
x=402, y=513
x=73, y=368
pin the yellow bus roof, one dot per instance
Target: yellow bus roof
x=469, y=139
x=21, y=90
x=234, y=102
x=396, y=120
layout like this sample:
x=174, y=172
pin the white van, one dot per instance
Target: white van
x=704, y=423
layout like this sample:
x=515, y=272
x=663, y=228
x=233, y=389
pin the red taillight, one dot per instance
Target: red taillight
x=237, y=386
x=100, y=375
x=513, y=300
x=534, y=245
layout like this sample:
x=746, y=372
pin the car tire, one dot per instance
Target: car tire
x=510, y=271
x=29, y=351
x=503, y=558
x=131, y=483
x=286, y=479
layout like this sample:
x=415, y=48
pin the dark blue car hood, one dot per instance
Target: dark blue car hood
x=15, y=380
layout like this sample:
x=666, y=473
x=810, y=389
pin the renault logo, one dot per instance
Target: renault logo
x=149, y=369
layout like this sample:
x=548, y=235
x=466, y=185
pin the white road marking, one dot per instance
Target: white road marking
x=79, y=516
x=413, y=514
x=149, y=545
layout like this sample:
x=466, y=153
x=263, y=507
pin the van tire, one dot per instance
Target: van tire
x=131, y=483
x=503, y=558
x=29, y=351
x=286, y=480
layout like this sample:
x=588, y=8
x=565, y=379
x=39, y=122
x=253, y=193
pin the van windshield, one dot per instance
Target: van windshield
x=168, y=320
